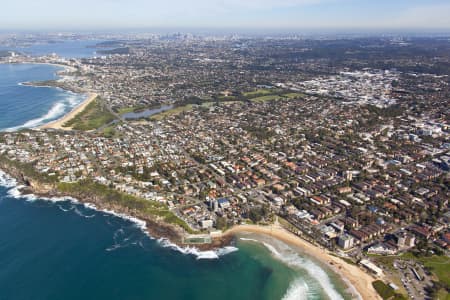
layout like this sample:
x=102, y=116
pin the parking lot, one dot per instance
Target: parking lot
x=414, y=278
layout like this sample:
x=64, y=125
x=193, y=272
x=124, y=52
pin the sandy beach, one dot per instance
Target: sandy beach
x=58, y=124
x=352, y=275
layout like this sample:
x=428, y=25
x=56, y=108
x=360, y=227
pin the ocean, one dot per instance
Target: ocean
x=24, y=106
x=61, y=249
x=66, y=49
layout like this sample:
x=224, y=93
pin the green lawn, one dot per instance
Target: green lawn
x=110, y=131
x=270, y=95
x=259, y=92
x=293, y=95
x=125, y=110
x=261, y=95
x=440, y=266
x=385, y=291
x=92, y=117
x=267, y=98
x=443, y=295
x=171, y=112
x=227, y=98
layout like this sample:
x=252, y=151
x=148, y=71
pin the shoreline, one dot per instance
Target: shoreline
x=352, y=275
x=156, y=226
x=39, y=84
x=358, y=281
x=58, y=124
x=26, y=187
x=169, y=236
x=66, y=67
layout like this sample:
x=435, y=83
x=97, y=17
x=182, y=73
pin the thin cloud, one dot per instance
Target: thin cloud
x=425, y=16
x=225, y=13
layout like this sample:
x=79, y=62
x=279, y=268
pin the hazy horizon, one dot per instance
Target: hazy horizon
x=232, y=15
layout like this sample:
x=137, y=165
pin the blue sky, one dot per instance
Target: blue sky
x=276, y=14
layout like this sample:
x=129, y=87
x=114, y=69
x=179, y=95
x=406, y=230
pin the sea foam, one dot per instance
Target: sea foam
x=290, y=257
x=210, y=254
x=14, y=192
x=141, y=224
x=68, y=102
x=81, y=214
x=249, y=240
x=6, y=180
x=298, y=289
x=55, y=111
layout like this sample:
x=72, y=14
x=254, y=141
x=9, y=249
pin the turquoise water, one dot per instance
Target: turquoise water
x=26, y=106
x=63, y=250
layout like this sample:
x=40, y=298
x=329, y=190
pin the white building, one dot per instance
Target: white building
x=346, y=241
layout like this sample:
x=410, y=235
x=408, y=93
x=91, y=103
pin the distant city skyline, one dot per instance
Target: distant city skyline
x=233, y=14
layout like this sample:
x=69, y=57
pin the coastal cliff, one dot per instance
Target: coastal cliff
x=39, y=185
x=55, y=84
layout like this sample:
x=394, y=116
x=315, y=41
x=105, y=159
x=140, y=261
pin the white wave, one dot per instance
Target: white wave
x=75, y=99
x=80, y=213
x=226, y=250
x=90, y=206
x=55, y=111
x=113, y=247
x=118, y=232
x=58, y=199
x=187, y=250
x=297, y=290
x=322, y=277
x=138, y=222
x=249, y=240
x=273, y=250
x=119, y=241
x=68, y=102
x=14, y=192
x=6, y=180
x=65, y=209
x=210, y=254
x=293, y=259
x=206, y=254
